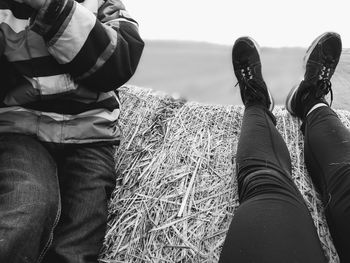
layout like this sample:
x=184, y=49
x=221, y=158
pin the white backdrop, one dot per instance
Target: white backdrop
x=274, y=23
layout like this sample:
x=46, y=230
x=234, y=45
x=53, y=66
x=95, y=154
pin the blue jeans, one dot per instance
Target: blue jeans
x=53, y=200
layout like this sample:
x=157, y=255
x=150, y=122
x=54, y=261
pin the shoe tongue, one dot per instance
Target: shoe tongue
x=329, y=59
x=254, y=91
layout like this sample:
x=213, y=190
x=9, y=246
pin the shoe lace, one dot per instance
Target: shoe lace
x=246, y=72
x=324, y=83
x=248, y=83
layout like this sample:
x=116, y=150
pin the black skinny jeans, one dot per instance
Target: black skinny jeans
x=327, y=158
x=272, y=223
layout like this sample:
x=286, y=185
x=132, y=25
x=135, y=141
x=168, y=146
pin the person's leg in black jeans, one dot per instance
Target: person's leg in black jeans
x=327, y=141
x=327, y=157
x=272, y=223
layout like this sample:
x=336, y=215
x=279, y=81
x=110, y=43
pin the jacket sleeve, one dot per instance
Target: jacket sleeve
x=101, y=53
x=8, y=75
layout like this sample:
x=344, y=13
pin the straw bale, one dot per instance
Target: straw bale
x=176, y=191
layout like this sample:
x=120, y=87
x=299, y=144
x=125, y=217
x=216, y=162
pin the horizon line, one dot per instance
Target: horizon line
x=221, y=44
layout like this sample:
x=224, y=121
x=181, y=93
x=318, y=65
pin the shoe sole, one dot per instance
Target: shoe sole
x=314, y=44
x=272, y=105
x=289, y=100
x=306, y=58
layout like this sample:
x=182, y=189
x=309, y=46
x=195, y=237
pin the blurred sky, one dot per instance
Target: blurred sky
x=274, y=23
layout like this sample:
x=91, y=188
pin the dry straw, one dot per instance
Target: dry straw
x=176, y=190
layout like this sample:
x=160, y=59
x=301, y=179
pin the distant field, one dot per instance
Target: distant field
x=203, y=72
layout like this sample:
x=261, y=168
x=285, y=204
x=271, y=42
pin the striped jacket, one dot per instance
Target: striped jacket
x=60, y=68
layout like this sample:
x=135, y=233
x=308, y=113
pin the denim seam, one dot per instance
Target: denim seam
x=49, y=241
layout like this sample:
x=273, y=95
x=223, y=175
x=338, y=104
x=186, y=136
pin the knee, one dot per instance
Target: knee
x=46, y=199
x=46, y=202
x=267, y=182
x=33, y=199
x=27, y=216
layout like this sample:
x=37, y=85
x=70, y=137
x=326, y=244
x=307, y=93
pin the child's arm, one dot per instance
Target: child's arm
x=101, y=54
x=8, y=75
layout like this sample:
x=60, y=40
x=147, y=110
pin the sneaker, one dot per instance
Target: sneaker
x=247, y=68
x=320, y=61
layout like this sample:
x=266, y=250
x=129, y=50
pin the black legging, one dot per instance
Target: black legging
x=272, y=223
x=327, y=157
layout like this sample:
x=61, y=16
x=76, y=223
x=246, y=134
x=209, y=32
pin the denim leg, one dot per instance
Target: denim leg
x=272, y=223
x=87, y=178
x=29, y=199
x=327, y=158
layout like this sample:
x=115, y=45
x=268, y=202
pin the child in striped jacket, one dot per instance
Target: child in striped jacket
x=61, y=63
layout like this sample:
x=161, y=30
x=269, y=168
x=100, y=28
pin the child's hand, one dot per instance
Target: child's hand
x=36, y=4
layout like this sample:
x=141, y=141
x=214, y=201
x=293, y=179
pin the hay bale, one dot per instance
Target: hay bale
x=176, y=193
